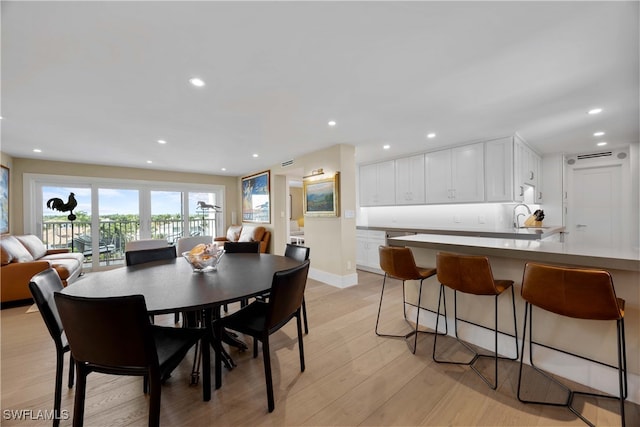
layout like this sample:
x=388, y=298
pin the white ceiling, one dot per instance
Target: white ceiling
x=100, y=82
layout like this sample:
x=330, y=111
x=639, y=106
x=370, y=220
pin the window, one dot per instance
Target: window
x=110, y=213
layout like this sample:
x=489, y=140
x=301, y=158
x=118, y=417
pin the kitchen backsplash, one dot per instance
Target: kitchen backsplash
x=469, y=216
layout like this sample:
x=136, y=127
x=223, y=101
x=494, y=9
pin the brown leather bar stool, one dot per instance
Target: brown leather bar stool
x=398, y=263
x=472, y=275
x=578, y=293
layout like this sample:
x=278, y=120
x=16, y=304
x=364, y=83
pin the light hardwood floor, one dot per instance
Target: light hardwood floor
x=352, y=378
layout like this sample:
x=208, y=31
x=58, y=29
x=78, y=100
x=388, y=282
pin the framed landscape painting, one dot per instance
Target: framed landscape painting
x=256, y=206
x=4, y=200
x=322, y=197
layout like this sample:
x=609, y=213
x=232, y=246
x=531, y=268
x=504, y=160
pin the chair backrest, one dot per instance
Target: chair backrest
x=42, y=286
x=287, y=292
x=299, y=253
x=398, y=262
x=109, y=334
x=140, y=245
x=581, y=293
x=140, y=257
x=185, y=244
x=242, y=247
x=466, y=273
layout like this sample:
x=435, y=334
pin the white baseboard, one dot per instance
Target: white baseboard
x=333, y=279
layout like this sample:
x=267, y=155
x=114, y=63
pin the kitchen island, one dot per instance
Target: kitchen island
x=524, y=233
x=576, y=339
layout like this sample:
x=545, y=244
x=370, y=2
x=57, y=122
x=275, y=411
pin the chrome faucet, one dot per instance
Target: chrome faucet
x=516, y=222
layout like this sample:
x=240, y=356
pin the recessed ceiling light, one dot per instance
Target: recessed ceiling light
x=37, y=150
x=431, y=135
x=595, y=111
x=386, y=146
x=255, y=155
x=598, y=134
x=149, y=161
x=332, y=123
x=223, y=169
x=196, y=81
x=162, y=141
x=602, y=144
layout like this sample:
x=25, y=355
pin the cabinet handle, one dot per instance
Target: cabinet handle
x=530, y=174
x=521, y=190
x=540, y=195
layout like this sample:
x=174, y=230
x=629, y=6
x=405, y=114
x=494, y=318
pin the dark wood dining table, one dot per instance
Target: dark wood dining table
x=171, y=286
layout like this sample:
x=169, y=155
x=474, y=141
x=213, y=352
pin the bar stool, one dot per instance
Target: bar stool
x=472, y=275
x=578, y=293
x=398, y=263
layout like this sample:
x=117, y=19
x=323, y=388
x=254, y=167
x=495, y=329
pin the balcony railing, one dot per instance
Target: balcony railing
x=114, y=235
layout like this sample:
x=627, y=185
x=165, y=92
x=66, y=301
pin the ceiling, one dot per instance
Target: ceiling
x=101, y=82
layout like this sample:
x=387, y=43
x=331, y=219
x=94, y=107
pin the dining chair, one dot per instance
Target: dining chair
x=143, y=244
x=300, y=254
x=134, y=257
x=242, y=247
x=42, y=286
x=126, y=344
x=184, y=244
x=260, y=319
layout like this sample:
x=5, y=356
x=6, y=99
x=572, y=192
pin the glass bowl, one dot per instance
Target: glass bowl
x=204, y=260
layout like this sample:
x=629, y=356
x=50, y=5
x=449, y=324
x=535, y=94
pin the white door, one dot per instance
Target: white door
x=595, y=207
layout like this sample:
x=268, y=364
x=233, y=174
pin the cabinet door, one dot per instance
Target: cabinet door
x=438, y=177
x=386, y=178
x=498, y=170
x=410, y=180
x=368, y=186
x=467, y=173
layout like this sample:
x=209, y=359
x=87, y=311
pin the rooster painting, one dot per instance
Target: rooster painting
x=57, y=204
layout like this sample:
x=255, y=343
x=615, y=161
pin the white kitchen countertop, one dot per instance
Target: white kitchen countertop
x=526, y=233
x=531, y=250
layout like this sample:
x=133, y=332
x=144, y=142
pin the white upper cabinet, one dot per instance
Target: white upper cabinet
x=527, y=166
x=455, y=175
x=410, y=180
x=499, y=170
x=377, y=184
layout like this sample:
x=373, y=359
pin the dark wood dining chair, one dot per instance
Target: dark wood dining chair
x=126, y=344
x=260, y=319
x=242, y=247
x=42, y=286
x=149, y=255
x=300, y=254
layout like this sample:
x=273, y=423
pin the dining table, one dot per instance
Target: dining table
x=170, y=286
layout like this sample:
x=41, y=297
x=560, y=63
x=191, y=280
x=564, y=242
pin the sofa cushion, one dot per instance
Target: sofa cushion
x=13, y=251
x=34, y=245
x=233, y=233
x=251, y=233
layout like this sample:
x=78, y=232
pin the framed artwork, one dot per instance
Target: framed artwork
x=256, y=202
x=322, y=197
x=4, y=200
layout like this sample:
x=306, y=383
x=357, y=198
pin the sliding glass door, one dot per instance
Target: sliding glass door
x=109, y=213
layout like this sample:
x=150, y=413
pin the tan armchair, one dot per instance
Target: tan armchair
x=247, y=233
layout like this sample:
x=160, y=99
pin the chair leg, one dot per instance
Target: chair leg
x=72, y=368
x=154, y=399
x=415, y=338
x=304, y=314
x=58, y=387
x=267, y=371
x=300, y=345
x=474, y=353
x=206, y=368
x=405, y=336
x=78, y=405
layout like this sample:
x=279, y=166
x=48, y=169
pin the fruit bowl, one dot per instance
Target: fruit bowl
x=204, y=257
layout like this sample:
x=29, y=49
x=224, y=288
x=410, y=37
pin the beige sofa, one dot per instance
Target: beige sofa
x=21, y=257
x=247, y=233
